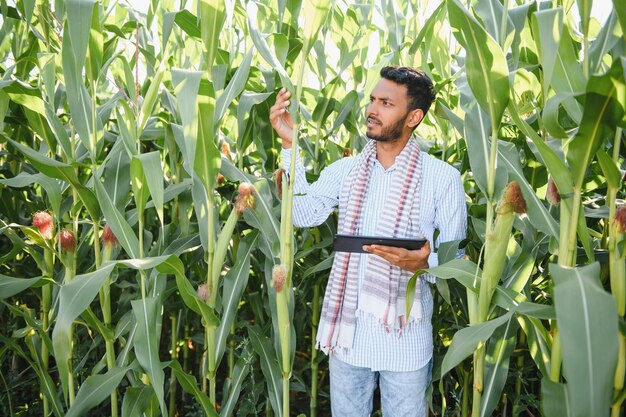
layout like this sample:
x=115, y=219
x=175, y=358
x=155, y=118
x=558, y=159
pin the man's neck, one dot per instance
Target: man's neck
x=386, y=152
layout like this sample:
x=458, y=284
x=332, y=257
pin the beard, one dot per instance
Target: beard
x=390, y=133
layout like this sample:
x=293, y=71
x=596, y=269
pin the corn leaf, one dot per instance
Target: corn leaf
x=10, y=286
x=604, y=109
x=136, y=400
x=234, y=88
x=120, y=227
x=589, y=350
x=153, y=174
x=235, y=283
x=241, y=371
x=74, y=298
x=269, y=365
x=537, y=212
x=499, y=350
x=189, y=384
x=466, y=340
x=146, y=344
x=554, y=399
x=212, y=17
x=486, y=67
x=477, y=138
x=94, y=390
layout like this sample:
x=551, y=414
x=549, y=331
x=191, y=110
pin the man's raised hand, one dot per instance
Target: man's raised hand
x=281, y=119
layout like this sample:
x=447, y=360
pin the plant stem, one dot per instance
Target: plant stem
x=174, y=356
x=465, y=400
x=483, y=304
x=46, y=299
x=212, y=284
x=518, y=380
x=105, y=303
x=556, y=356
x=479, y=367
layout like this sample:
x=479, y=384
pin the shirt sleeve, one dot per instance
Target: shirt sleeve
x=313, y=203
x=450, y=217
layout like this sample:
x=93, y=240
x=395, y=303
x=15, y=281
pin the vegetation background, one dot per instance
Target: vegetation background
x=148, y=264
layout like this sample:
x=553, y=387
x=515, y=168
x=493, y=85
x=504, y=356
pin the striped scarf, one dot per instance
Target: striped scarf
x=383, y=291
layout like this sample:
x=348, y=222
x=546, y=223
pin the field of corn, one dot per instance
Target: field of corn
x=148, y=262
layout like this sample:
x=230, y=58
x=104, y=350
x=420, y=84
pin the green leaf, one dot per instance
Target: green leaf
x=118, y=224
x=117, y=175
x=537, y=212
x=621, y=14
x=547, y=26
x=73, y=54
x=94, y=390
x=556, y=167
x=188, y=23
x=79, y=16
x=10, y=286
x=269, y=365
x=186, y=85
x=96, y=47
x=264, y=217
x=235, y=283
x=56, y=169
x=315, y=12
x=478, y=141
x=141, y=192
x=146, y=344
x=486, y=67
x=150, y=99
x=584, y=9
x=24, y=95
x=151, y=163
x=241, y=371
x=550, y=115
x=234, y=88
x=466, y=340
x=539, y=342
x=246, y=102
x=491, y=12
x=554, y=399
x=174, y=266
x=48, y=387
x=136, y=400
x=189, y=384
x=263, y=49
x=50, y=185
x=609, y=168
x=589, y=350
x=207, y=158
x=605, y=41
x=498, y=353
x=604, y=109
x=212, y=17
x=74, y=298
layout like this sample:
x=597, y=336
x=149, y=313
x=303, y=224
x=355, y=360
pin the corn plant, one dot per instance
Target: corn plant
x=143, y=137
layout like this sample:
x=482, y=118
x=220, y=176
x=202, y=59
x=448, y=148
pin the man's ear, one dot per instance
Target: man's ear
x=415, y=117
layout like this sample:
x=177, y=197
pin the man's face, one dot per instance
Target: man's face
x=387, y=112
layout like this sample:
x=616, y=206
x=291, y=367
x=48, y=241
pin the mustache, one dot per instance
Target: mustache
x=374, y=119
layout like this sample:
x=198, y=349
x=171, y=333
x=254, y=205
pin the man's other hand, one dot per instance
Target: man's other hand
x=281, y=119
x=411, y=260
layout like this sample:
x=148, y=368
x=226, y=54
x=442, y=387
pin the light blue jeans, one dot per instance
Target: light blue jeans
x=402, y=394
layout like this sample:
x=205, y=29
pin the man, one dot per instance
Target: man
x=391, y=189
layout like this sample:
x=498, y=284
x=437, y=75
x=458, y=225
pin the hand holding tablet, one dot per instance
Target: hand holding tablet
x=347, y=243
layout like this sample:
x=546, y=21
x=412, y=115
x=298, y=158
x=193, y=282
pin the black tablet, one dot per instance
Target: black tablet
x=345, y=243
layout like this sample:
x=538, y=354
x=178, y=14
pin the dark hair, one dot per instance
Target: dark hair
x=419, y=87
